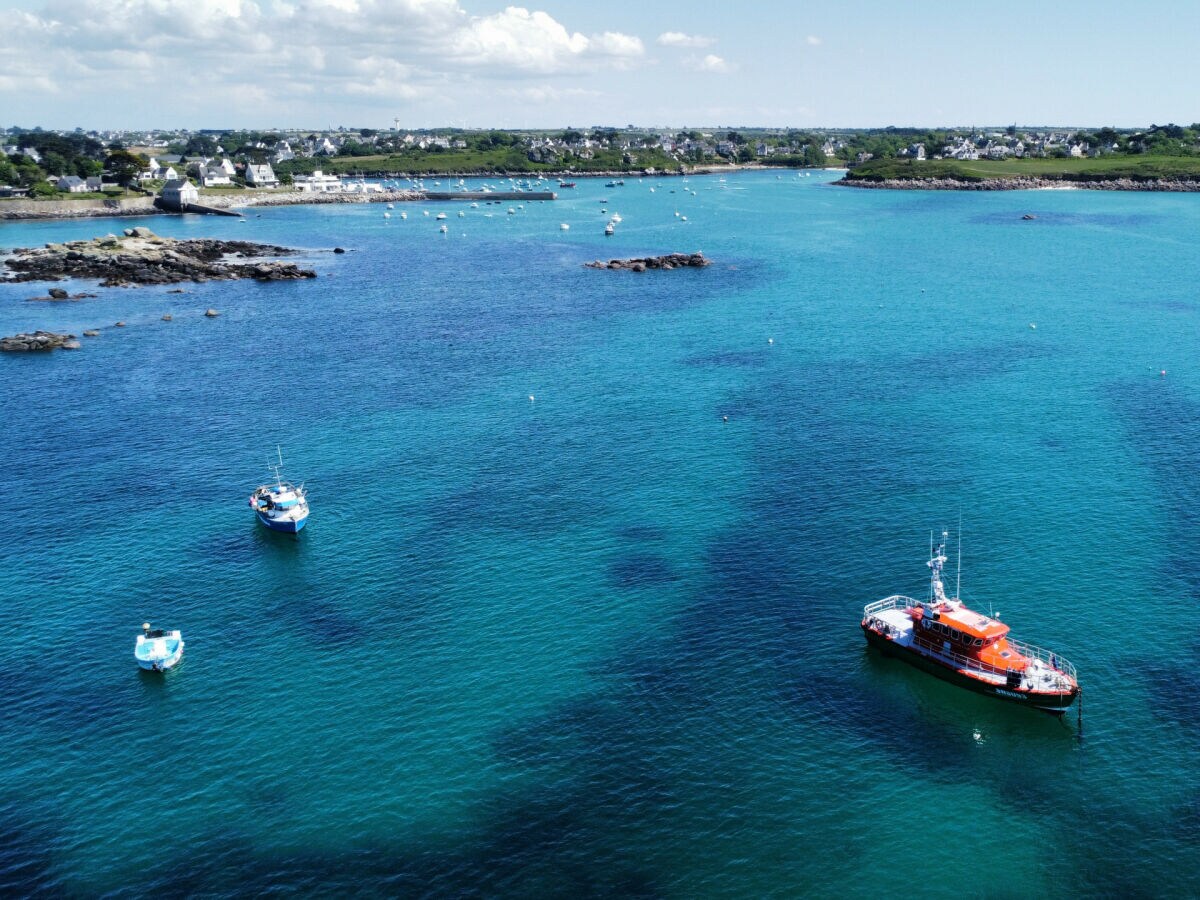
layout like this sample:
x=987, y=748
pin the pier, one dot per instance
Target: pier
x=488, y=195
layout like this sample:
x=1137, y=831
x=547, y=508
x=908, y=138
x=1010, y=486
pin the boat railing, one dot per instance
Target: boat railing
x=936, y=647
x=896, y=601
x=1053, y=662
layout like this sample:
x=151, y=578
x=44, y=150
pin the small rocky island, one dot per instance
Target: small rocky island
x=38, y=340
x=641, y=264
x=142, y=257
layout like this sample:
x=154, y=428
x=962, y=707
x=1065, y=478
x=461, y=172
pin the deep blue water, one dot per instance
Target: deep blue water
x=600, y=641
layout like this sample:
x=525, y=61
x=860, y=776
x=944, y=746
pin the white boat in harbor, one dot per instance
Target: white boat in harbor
x=157, y=650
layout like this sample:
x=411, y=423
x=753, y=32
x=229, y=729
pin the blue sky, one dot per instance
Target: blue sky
x=479, y=63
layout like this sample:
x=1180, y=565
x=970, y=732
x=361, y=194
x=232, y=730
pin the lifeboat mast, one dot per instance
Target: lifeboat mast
x=937, y=559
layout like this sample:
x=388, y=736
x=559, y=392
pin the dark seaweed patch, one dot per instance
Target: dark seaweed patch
x=641, y=570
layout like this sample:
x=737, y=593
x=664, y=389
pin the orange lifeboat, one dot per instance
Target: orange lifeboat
x=968, y=648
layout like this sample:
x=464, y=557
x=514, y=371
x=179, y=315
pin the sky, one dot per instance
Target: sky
x=133, y=64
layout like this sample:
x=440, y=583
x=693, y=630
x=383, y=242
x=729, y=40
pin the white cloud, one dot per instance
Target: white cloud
x=679, y=39
x=813, y=41
x=536, y=42
x=617, y=45
x=710, y=63
x=275, y=51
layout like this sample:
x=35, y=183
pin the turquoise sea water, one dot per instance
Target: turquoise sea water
x=600, y=641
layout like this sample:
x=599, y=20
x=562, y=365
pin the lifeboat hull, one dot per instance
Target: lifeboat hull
x=1055, y=702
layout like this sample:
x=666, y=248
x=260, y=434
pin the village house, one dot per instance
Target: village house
x=72, y=184
x=317, y=183
x=214, y=176
x=180, y=193
x=261, y=176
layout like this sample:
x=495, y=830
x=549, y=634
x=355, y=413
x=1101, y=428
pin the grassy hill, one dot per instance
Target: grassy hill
x=1104, y=168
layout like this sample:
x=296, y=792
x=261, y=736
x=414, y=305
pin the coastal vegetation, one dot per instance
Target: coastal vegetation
x=508, y=159
x=1105, y=168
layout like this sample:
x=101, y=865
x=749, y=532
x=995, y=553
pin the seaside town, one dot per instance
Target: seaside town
x=181, y=166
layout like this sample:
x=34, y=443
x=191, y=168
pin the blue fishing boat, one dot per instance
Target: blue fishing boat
x=157, y=650
x=280, y=506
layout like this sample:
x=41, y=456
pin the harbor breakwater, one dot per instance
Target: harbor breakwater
x=146, y=206
x=72, y=209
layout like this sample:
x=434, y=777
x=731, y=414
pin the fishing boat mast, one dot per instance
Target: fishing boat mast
x=276, y=468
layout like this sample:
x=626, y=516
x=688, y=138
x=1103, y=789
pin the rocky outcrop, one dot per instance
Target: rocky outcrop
x=641, y=264
x=141, y=257
x=38, y=340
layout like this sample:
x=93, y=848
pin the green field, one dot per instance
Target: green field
x=498, y=160
x=1104, y=168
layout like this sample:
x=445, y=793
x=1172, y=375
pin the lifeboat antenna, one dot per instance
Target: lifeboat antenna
x=958, y=571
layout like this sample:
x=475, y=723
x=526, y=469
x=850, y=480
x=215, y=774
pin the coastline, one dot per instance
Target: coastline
x=29, y=210
x=1024, y=184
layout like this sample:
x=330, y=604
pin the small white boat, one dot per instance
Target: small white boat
x=608, y=229
x=461, y=214
x=564, y=227
x=443, y=229
x=440, y=216
x=387, y=215
x=404, y=215
x=157, y=650
x=616, y=218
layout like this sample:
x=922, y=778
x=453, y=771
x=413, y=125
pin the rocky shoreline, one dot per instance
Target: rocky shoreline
x=641, y=264
x=141, y=258
x=1024, y=184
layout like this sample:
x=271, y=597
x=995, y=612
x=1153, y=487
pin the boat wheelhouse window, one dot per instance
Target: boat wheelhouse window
x=956, y=634
x=978, y=642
